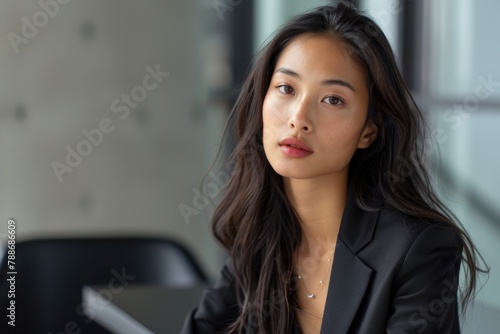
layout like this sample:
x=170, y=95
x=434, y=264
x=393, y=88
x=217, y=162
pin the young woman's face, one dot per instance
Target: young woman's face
x=315, y=110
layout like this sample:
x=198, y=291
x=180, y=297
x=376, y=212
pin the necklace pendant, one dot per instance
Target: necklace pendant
x=310, y=295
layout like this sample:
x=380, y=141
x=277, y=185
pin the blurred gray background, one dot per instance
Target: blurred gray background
x=69, y=67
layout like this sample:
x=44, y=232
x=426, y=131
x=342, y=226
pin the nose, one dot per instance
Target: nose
x=300, y=116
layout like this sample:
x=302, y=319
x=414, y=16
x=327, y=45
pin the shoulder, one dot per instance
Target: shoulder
x=417, y=262
x=218, y=305
x=400, y=241
x=405, y=230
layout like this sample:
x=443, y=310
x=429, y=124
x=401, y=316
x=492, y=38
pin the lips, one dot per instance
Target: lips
x=295, y=143
x=295, y=148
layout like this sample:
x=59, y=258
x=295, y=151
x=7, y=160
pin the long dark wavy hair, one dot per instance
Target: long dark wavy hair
x=255, y=221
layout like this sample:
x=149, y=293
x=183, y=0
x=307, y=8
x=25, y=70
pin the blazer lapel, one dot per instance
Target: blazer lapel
x=348, y=282
x=350, y=276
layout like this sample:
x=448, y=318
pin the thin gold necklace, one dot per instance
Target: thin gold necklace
x=321, y=282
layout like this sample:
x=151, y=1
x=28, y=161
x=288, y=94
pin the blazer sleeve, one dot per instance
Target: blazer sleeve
x=218, y=306
x=425, y=291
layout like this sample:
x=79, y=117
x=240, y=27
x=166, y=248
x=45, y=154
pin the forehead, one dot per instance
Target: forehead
x=320, y=55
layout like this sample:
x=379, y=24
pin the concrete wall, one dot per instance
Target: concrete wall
x=70, y=73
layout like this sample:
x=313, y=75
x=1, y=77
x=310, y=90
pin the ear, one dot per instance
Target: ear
x=368, y=135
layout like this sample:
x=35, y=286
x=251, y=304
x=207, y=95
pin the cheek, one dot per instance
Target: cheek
x=268, y=107
x=267, y=130
x=274, y=109
x=269, y=117
x=340, y=139
x=265, y=110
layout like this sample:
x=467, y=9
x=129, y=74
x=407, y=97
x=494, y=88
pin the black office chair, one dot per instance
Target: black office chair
x=52, y=272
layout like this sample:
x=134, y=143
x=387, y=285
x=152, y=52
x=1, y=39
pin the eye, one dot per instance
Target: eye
x=285, y=89
x=333, y=100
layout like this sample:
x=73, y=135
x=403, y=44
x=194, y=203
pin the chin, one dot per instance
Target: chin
x=292, y=172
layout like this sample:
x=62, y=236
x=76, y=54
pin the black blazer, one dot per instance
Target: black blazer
x=391, y=274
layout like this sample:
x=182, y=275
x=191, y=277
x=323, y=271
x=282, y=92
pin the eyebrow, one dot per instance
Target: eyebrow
x=327, y=82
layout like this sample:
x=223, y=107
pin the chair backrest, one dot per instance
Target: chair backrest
x=52, y=272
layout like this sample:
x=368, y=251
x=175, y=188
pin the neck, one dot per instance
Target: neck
x=320, y=204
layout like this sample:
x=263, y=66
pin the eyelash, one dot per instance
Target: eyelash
x=340, y=101
x=279, y=87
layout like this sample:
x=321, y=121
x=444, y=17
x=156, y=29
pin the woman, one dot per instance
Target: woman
x=329, y=217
